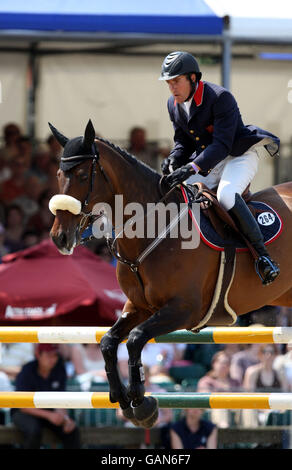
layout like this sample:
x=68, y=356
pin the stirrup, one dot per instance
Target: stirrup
x=270, y=270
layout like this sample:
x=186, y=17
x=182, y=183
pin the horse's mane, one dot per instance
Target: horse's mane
x=131, y=158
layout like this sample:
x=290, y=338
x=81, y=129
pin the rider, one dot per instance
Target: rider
x=212, y=145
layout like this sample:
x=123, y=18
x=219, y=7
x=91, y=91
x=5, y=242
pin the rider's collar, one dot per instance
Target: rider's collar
x=198, y=95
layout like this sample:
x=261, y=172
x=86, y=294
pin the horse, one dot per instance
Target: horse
x=169, y=289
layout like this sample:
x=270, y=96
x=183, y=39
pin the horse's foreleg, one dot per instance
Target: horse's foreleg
x=171, y=317
x=109, y=346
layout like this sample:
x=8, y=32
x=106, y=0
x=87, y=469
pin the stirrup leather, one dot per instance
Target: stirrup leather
x=270, y=269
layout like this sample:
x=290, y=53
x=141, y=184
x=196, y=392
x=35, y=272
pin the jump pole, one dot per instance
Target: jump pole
x=90, y=400
x=86, y=335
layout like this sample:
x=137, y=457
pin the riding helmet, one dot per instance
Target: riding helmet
x=179, y=63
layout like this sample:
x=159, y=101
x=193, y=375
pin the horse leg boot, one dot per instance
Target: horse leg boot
x=266, y=268
x=166, y=320
x=109, y=345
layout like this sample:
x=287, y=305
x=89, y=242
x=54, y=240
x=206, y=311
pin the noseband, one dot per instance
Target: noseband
x=73, y=205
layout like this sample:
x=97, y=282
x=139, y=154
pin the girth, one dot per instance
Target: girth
x=219, y=312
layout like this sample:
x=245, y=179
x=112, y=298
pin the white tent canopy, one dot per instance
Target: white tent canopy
x=256, y=20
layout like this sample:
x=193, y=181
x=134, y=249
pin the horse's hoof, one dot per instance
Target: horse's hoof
x=129, y=414
x=149, y=422
x=146, y=412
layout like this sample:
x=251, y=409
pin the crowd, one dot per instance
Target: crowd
x=230, y=368
x=27, y=182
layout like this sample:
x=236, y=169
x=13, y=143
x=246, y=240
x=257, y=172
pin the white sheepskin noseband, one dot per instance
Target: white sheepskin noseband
x=63, y=202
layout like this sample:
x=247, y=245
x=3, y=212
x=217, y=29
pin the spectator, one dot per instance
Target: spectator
x=242, y=360
x=158, y=357
x=41, y=163
x=2, y=213
x=15, y=186
x=4, y=250
x=14, y=228
x=25, y=149
x=52, y=183
x=218, y=378
x=28, y=201
x=46, y=373
x=30, y=238
x=88, y=359
x=283, y=365
x=231, y=349
x=5, y=386
x=201, y=353
x=43, y=219
x=55, y=148
x=14, y=356
x=262, y=376
x=5, y=171
x=139, y=147
x=65, y=351
x=10, y=150
x=193, y=432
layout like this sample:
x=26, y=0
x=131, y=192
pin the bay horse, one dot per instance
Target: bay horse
x=171, y=288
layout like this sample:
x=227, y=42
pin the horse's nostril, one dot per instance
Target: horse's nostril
x=62, y=239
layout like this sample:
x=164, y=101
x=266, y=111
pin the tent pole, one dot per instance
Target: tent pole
x=226, y=55
x=31, y=91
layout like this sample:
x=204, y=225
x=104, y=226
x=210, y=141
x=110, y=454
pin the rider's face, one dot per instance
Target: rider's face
x=180, y=87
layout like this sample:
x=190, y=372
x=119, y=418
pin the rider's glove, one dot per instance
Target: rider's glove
x=169, y=164
x=181, y=174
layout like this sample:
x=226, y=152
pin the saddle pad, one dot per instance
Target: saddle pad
x=268, y=220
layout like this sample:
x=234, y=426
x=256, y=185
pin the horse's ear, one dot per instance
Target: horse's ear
x=89, y=134
x=60, y=137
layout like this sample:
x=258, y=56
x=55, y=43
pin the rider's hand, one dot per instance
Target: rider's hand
x=181, y=174
x=68, y=425
x=168, y=165
x=165, y=166
x=56, y=418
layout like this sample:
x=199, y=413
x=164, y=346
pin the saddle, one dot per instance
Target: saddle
x=221, y=221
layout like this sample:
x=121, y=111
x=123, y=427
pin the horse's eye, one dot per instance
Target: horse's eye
x=83, y=177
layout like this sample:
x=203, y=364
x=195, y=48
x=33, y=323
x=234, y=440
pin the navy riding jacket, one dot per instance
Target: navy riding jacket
x=213, y=130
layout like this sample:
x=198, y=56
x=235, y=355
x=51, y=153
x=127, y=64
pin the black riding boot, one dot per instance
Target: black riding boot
x=266, y=268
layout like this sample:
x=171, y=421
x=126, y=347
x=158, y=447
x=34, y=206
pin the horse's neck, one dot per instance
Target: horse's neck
x=129, y=180
x=130, y=184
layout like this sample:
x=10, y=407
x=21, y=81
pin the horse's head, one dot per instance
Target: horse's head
x=77, y=180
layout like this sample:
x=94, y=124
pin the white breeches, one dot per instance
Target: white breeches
x=232, y=175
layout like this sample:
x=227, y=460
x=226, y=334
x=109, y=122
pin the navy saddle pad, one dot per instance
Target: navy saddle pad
x=267, y=218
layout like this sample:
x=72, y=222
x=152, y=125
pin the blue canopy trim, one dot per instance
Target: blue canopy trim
x=198, y=25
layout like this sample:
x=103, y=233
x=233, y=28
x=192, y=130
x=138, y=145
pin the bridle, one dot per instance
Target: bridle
x=88, y=218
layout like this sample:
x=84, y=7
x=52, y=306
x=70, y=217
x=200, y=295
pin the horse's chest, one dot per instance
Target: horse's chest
x=132, y=288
